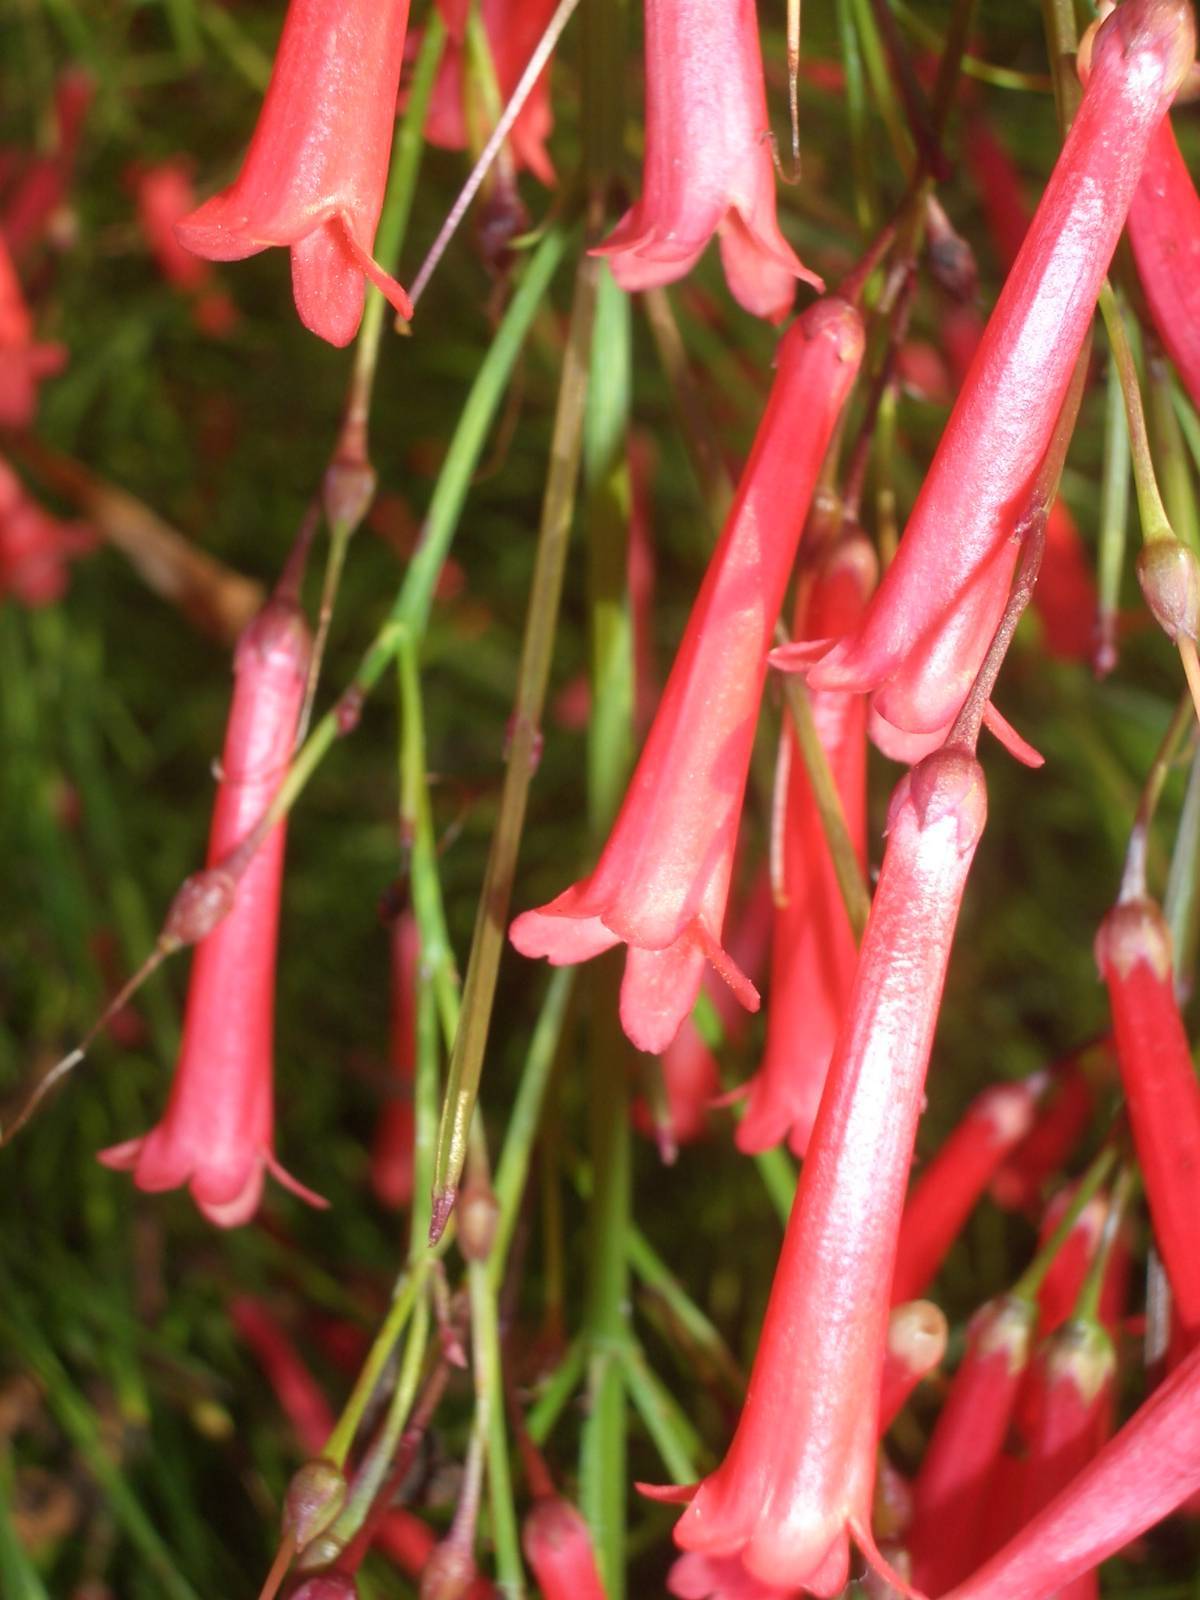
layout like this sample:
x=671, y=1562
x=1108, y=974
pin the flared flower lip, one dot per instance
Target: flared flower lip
x=225, y=1205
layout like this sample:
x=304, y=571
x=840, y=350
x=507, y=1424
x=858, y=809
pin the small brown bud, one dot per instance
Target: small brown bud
x=347, y=492
x=1170, y=578
x=449, y=1572
x=314, y=1498
x=200, y=903
x=478, y=1214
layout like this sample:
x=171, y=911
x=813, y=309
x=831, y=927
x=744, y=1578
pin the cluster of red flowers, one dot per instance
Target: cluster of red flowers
x=1026, y=1484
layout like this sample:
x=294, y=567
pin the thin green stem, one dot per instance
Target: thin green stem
x=1062, y=42
x=1181, y=903
x=410, y=1292
x=658, y=1278
x=1155, y=523
x=489, y=1401
x=855, y=895
x=1093, y=1180
x=676, y=1440
x=483, y=965
x=1114, y=520
x=1133, y=879
x=1170, y=452
x=542, y=1416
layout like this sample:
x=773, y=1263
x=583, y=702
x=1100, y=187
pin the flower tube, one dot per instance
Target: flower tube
x=1164, y=230
x=217, y=1135
x=514, y=29
x=946, y=1192
x=927, y=629
x=558, y=1546
x=1143, y=1474
x=949, y=1496
x=1133, y=951
x=392, y=1149
x=813, y=952
x=314, y=175
x=663, y=879
x=797, y=1481
x=708, y=164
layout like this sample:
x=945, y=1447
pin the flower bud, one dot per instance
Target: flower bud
x=201, y=902
x=1134, y=931
x=478, y=1214
x=449, y=1572
x=327, y=1586
x=347, y=492
x=1170, y=578
x=314, y=1498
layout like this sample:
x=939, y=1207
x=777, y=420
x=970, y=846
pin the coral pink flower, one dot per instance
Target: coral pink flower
x=38, y=192
x=314, y=175
x=164, y=197
x=34, y=546
x=392, y=1150
x=217, y=1135
x=698, y=1577
x=514, y=29
x=708, y=165
x=663, y=878
x=1147, y=1470
x=299, y=1395
x=926, y=631
x=23, y=364
x=813, y=952
x=797, y=1481
x=1067, y=1413
x=947, y=1190
x=1164, y=230
x=949, y=1496
x=1133, y=951
x=558, y=1546
x=1063, y=1118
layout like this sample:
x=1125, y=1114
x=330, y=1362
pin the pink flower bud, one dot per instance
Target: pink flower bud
x=916, y=1343
x=314, y=175
x=558, y=1546
x=1169, y=575
x=951, y=1487
x=1133, y=951
x=217, y=1135
x=708, y=164
x=1148, y=1469
x=662, y=881
x=947, y=1190
x=799, y=1476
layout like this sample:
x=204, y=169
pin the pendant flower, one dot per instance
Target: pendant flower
x=1133, y=952
x=926, y=631
x=663, y=879
x=813, y=952
x=217, y=1135
x=1164, y=230
x=314, y=175
x=798, y=1479
x=708, y=165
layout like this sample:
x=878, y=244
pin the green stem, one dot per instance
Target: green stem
x=410, y=1292
x=851, y=883
x=512, y=1171
x=483, y=965
x=1155, y=523
x=1170, y=453
x=1181, y=904
x=1114, y=519
x=489, y=1401
x=1133, y=879
x=1031, y=1280
x=542, y=1416
x=675, y=1439
x=1062, y=41
x=699, y=435
x=658, y=1278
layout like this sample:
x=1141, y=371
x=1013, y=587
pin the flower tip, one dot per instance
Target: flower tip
x=439, y=1216
x=836, y=320
x=917, y=1334
x=1134, y=931
x=668, y=1494
x=950, y=782
x=1169, y=575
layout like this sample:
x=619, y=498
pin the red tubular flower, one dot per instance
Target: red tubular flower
x=1133, y=951
x=708, y=165
x=1164, y=230
x=217, y=1135
x=698, y=1577
x=34, y=546
x=297, y=1391
x=514, y=29
x=558, y=1546
x=662, y=881
x=1063, y=1118
x=916, y=1343
x=1148, y=1469
x=813, y=953
x=392, y=1151
x=35, y=199
x=951, y=1184
x=798, y=1478
x=314, y=175
x=1067, y=1409
x=925, y=633
x=23, y=364
x=950, y=1490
